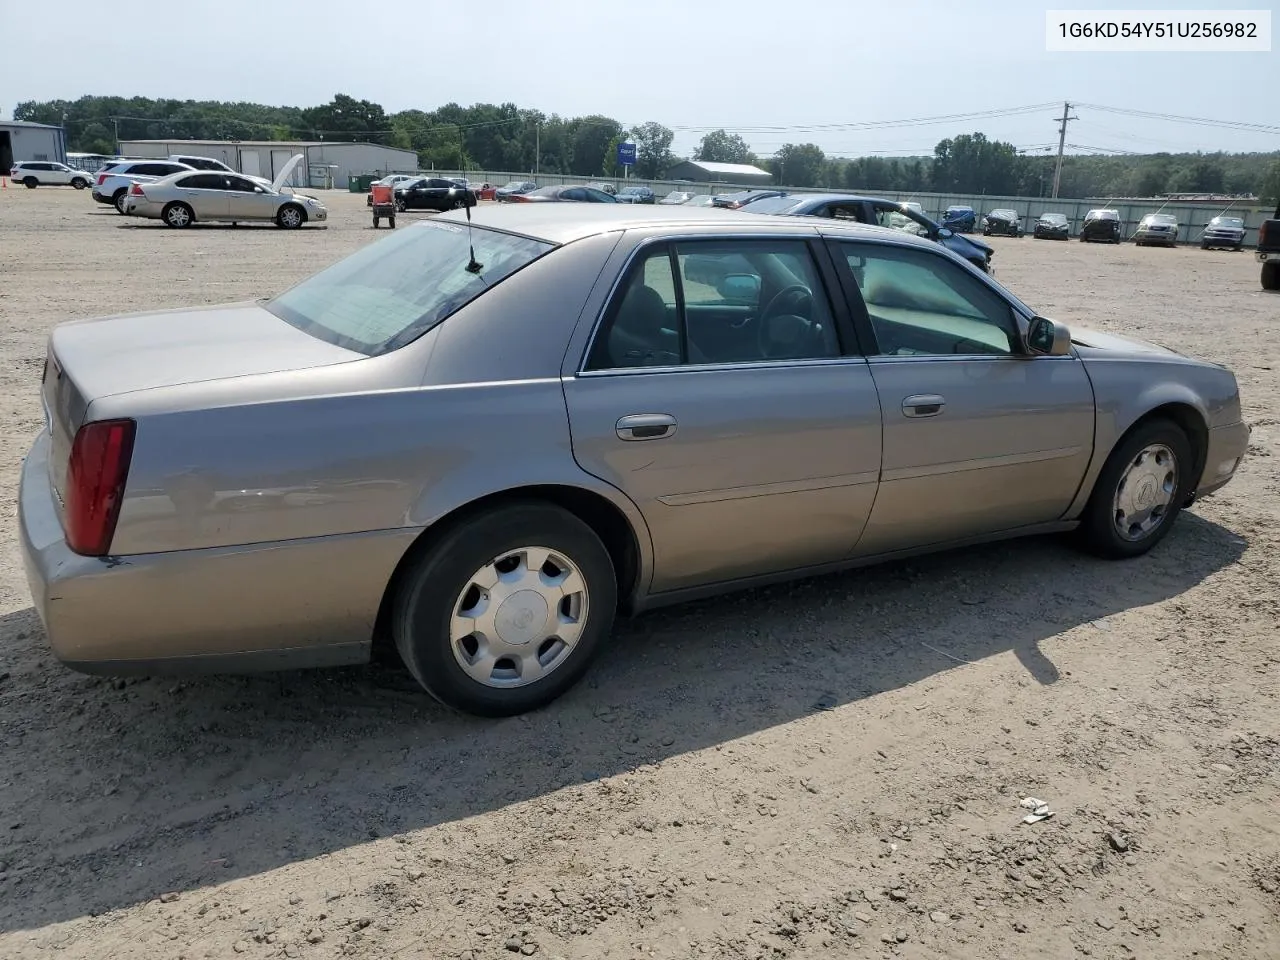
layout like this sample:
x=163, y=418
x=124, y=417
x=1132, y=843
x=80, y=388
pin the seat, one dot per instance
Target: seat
x=637, y=335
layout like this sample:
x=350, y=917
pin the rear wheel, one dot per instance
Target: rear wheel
x=30, y=182
x=177, y=215
x=118, y=199
x=392, y=221
x=504, y=613
x=290, y=217
x=1271, y=276
x=1139, y=492
x=79, y=183
x=375, y=223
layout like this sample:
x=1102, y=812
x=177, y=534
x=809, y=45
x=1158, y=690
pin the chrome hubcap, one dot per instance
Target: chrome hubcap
x=1145, y=492
x=178, y=217
x=519, y=617
x=291, y=218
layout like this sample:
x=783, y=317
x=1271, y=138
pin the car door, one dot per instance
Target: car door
x=742, y=464
x=247, y=200
x=979, y=435
x=60, y=173
x=204, y=193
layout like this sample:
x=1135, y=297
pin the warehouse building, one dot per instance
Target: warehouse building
x=327, y=164
x=703, y=171
x=21, y=140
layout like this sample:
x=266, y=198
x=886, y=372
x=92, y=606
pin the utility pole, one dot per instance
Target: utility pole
x=537, y=146
x=1062, y=139
x=116, y=123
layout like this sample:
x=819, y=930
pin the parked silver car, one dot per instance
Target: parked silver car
x=1158, y=228
x=184, y=198
x=484, y=440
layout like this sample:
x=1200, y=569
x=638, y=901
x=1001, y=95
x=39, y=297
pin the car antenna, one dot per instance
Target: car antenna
x=473, y=266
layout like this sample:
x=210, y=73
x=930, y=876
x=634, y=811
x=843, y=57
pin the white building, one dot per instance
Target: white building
x=263, y=158
x=21, y=140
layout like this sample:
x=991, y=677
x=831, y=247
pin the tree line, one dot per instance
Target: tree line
x=507, y=137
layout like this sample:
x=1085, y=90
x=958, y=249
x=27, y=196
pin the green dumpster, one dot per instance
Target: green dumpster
x=361, y=183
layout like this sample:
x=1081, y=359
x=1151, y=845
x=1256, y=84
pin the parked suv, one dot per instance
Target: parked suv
x=1103, y=225
x=1269, y=251
x=40, y=173
x=1226, y=232
x=114, y=179
x=1157, y=228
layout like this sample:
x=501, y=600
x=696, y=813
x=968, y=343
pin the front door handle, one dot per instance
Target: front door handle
x=923, y=405
x=646, y=426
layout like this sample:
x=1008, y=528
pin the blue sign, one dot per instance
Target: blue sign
x=627, y=154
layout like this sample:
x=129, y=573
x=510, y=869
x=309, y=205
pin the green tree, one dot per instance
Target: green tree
x=345, y=117
x=721, y=147
x=590, y=138
x=653, y=149
x=799, y=164
x=1269, y=187
x=970, y=163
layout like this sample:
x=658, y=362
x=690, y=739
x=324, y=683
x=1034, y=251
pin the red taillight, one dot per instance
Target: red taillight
x=96, y=475
x=101, y=178
x=135, y=190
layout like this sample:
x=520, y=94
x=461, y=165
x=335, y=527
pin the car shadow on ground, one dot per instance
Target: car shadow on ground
x=162, y=785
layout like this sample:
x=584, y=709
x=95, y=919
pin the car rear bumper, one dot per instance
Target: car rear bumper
x=269, y=606
x=142, y=207
x=1269, y=256
x=1227, y=446
x=101, y=197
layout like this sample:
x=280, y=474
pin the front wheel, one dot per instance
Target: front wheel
x=504, y=612
x=1139, y=492
x=290, y=217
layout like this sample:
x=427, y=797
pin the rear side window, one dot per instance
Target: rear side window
x=202, y=181
x=390, y=293
x=708, y=302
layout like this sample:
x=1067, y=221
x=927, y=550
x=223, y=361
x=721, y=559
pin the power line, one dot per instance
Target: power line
x=1174, y=118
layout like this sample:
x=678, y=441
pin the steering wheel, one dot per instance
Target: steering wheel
x=794, y=301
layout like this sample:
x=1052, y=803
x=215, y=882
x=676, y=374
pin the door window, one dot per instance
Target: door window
x=895, y=219
x=240, y=184
x=919, y=303
x=201, y=181
x=718, y=302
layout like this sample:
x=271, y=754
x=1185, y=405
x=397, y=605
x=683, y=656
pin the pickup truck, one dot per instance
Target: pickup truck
x=1269, y=251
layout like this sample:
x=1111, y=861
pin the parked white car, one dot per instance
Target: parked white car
x=40, y=173
x=115, y=179
x=203, y=195
x=210, y=163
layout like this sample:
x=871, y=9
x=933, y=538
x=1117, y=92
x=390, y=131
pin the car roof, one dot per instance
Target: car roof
x=563, y=223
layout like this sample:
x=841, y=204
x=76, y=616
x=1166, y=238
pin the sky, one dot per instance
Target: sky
x=774, y=72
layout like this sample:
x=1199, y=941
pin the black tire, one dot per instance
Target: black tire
x=290, y=217
x=1271, y=276
x=177, y=215
x=79, y=183
x=30, y=182
x=118, y=200
x=436, y=582
x=392, y=221
x=1098, y=531
x=375, y=223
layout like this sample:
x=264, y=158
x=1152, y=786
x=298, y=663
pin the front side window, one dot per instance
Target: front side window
x=241, y=185
x=390, y=293
x=708, y=302
x=920, y=303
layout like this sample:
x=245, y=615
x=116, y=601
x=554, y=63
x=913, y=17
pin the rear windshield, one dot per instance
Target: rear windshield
x=774, y=204
x=391, y=292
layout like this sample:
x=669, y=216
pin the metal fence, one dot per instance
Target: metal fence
x=1192, y=216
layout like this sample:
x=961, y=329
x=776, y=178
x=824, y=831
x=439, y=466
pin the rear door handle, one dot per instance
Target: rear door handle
x=923, y=405
x=646, y=426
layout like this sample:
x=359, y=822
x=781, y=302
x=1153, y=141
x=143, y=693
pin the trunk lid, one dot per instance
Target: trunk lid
x=90, y=359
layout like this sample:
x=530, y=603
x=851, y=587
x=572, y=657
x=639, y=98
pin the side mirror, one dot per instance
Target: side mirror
x=1048, y=338
x=944, y=232
x=741, y=287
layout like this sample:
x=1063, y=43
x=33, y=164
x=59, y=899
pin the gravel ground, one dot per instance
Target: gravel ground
x=830, y=768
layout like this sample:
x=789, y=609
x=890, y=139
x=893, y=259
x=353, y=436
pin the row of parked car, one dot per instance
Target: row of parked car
x=1104, y=226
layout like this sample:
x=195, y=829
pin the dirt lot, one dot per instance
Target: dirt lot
x=831, y=768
